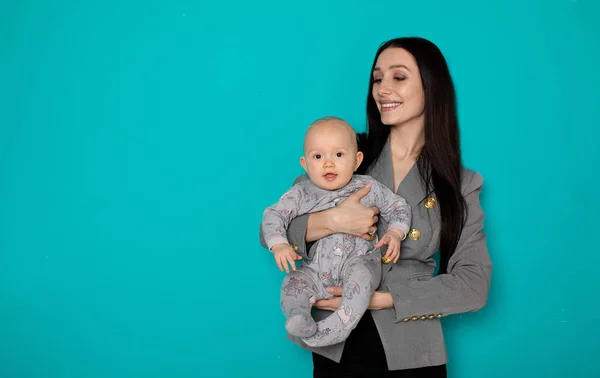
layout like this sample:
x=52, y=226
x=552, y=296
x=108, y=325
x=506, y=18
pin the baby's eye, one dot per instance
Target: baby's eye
x=340, y=154
x=317, y=156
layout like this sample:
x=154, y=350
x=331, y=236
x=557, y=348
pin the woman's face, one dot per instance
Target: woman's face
x=397, y=87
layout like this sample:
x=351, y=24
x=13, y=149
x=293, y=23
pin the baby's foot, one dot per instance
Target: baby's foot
x=301, y=325
x=320, y=338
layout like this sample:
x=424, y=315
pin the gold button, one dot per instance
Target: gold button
x=405, y=319
x=295, y=247
x=430, y=202
x=431, y=316
x=423, y=317
x=414, y=318
x=414, y=234
x=438, y=316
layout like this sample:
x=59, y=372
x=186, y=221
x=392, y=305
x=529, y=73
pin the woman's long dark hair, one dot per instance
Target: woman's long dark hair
x=440, y=160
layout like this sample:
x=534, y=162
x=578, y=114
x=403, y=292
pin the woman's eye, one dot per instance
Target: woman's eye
x=400, y=78
x=376, y=81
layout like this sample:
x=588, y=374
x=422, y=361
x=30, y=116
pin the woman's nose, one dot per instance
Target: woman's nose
x=383, y=89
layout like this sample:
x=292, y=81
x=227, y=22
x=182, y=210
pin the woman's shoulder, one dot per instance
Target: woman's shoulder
x=471, y=180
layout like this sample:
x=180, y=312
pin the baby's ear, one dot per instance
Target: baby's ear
x=303, y=163
x=359, y=159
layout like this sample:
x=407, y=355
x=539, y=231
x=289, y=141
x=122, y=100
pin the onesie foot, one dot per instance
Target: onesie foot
x=301, y=325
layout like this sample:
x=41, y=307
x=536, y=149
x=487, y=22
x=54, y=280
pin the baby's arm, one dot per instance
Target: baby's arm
x=297, y=230
x=276, y=219
x=394, y=209
x=397, y=213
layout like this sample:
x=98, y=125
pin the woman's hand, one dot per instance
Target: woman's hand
x=379, y=300
x=330, y=304
x=353, y=218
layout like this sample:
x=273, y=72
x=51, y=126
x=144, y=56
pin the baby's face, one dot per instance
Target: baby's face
x=330, y=155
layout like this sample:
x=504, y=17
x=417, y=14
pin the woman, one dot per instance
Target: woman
x=412, y=146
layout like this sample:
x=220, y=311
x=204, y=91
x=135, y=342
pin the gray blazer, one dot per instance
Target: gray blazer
x=411, y=332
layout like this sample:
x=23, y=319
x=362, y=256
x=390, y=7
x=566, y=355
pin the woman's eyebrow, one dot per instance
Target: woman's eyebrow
x=393, y=66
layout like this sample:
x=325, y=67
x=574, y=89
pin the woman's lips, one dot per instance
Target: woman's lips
x=389, y=106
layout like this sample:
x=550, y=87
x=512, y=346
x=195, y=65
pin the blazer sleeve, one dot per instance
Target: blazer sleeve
x=465, y=286
x=296, y=232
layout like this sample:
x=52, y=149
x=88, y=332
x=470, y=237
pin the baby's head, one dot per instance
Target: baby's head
x=331, y=153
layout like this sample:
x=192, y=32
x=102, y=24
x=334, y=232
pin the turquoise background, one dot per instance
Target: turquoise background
x=140, y=142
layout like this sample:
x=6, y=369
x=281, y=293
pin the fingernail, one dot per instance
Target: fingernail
x=329, y=290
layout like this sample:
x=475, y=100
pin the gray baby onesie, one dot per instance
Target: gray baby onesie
x=340, y=259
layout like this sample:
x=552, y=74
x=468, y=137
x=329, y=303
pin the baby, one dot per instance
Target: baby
x=330, y=159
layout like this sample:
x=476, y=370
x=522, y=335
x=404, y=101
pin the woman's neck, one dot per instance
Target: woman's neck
x=407, y=140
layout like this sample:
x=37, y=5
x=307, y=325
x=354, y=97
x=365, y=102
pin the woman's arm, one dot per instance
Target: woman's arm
x=319, y=225
x=379, y=300
x=465, y=287
x=349, y=217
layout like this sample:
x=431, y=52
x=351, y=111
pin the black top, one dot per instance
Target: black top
x=363, y=351
x=364, y=357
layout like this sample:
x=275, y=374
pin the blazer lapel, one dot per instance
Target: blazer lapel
x=412, y=188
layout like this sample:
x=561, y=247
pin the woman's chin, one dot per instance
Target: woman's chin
x=389, y=121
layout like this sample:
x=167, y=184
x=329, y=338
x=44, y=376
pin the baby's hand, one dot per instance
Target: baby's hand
x=284, y=254
x=392, y=238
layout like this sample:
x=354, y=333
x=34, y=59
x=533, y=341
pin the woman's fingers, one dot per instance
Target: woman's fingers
x=335, y=290
x=329, y=304
x=368, y=237
x=360, y=193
